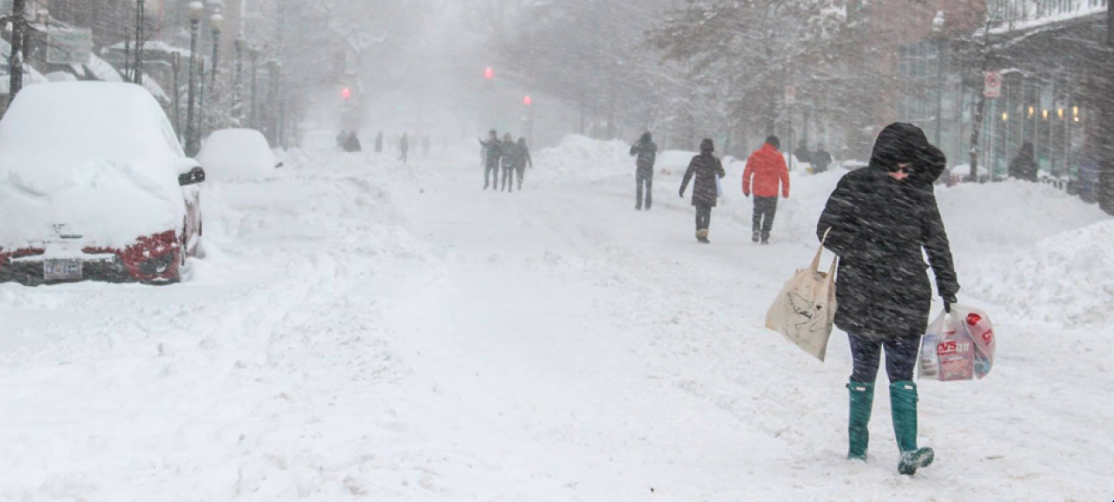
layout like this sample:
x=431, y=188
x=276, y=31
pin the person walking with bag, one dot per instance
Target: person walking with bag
x=766, y=172
x=493, y=153
x=706, y=168
x=877, y=221
x=647, y=153
x=522, y=161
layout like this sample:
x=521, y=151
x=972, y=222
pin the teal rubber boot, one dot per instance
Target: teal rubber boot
x=862, y=401
x=903, y=401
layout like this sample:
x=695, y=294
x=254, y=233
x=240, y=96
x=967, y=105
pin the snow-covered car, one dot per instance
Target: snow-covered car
x=94, y=185
x=231, y=154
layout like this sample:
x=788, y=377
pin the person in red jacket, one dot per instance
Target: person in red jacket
x=764, y=173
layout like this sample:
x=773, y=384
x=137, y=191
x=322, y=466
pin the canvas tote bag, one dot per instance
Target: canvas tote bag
x=804, y=310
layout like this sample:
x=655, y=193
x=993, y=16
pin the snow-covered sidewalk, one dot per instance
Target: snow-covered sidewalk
x=363, y=330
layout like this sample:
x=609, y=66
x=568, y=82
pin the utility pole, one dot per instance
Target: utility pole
x=19, y=28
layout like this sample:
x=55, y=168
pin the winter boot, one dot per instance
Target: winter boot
x=903, y=401
x=754, y=237
x=862, y=402
x=765, y=238
x=702, y=236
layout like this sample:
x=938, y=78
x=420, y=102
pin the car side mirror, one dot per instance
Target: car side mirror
x=193, y=177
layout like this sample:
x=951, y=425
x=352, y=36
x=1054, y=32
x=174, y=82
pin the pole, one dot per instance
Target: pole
x=191, y=134
x=238, y=89
x=176, y=68
x=216, y=56
x=200, y=102
x=789, y=149
x=939, y=87
x=139, y=15
x=1106, y=150
x=252, y=118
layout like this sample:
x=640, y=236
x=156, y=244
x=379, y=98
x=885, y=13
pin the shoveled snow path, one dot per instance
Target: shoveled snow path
x=366, y=330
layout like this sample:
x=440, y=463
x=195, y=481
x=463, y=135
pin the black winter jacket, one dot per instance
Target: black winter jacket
x=493, y=151
x=879, y=227
x=706, y=168
x=647, y=153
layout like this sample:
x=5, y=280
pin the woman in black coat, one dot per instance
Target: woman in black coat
x=1024, y=166
x=706, y=168
x=880, y=218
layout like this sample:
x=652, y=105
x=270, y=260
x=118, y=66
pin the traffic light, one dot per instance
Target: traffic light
x=346, y=93
x=527, y=101
x=489, y=73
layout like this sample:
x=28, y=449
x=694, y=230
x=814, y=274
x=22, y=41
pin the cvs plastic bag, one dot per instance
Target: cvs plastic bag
x=957, y=346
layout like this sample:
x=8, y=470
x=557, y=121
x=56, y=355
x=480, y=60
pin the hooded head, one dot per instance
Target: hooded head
x=647, y=137
x=707, y=147
x=1027, y=150
x=774, y=142
x=901, y=143
x=493, y=134
x=508, y=138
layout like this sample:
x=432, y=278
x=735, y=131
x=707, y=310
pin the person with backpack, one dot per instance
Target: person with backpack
x=706, y=168
x=647, y=153
x=493, y=153
x=821, y=159
x=765, y=172
x=522, y=159
x=880, y=221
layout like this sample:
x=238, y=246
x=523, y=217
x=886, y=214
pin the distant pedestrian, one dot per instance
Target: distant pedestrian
x=493, y=151
x=404, y=147
x=802, y=153
x=880, y=221
x=647, y=152
x=379, y=142
x=706, y=168
x=1024, y=166
x=821, y=159
x=765, y=173
x=510, y=159
x=522, y=159
x=352, y=143
x=426, y=145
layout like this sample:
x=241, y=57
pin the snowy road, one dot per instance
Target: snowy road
x=361, y=330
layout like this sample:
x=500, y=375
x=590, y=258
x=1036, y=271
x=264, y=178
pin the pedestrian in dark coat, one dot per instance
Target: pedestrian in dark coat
x=352, y=143
x=706, y=168
x=379, y=143
x=522, y=158
x=821, y=159
x=878, y=220
x=647, y=153
x=510, y=160
x=404, y=147
x=493, y=153
x=1024, y=166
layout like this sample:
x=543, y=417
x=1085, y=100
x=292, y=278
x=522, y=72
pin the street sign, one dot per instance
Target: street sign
x=790, y=94
x=992, y=88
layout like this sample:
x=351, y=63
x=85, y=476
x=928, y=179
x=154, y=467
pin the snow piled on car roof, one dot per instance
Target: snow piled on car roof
x=98, y=158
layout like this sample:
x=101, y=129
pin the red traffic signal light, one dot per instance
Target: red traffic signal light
x=489, y=73
x=527, y=101
x=346, y=93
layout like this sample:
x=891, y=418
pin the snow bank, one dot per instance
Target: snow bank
x=232, y=154
x=1067, y=279
x=114, y=180
x=579, y=157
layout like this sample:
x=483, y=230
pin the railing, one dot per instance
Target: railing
x=1021, y=14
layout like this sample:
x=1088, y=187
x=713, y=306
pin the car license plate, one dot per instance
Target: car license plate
x=62, y=270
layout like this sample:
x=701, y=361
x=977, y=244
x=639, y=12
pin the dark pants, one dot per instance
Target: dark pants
x=703, y=217
x=765, y=208
x=508, y=175
x=901, y=358
x=644, y=178
x=491, y=176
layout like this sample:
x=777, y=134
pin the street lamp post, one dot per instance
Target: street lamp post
x=938, y=34
x=238, y=89
x=196, y=10
x=200, y=101
x=253, y=118
x=216, y=24
x=139, y=14
x=272, y=95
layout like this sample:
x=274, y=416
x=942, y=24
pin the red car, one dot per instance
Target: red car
x=94, y=185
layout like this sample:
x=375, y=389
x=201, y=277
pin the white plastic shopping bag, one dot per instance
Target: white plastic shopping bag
x=804, y=310
x=719, y=188
x=958, y=346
